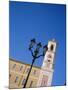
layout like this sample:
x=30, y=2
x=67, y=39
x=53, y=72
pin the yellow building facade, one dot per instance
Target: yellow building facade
x=18, y=73
x=39, y=76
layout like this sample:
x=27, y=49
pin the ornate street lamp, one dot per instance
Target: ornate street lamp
x=35, y=55
x=32, y=43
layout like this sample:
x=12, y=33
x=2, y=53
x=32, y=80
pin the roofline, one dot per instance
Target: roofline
x=22, y=62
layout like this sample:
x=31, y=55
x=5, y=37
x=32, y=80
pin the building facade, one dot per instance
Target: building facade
x=18, y=73
x=39, y=76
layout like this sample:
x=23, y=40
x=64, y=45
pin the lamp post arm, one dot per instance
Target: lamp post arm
x=31, y=52
x=39, y=56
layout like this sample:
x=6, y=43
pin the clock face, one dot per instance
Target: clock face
x=47, y=65
x=49, y=57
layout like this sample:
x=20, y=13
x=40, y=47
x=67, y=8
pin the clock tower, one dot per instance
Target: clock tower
x=47, y=68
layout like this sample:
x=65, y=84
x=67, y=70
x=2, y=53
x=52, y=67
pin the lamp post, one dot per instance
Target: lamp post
x=35, y=55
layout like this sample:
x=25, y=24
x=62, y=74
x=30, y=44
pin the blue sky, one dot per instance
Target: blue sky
x=43, y=22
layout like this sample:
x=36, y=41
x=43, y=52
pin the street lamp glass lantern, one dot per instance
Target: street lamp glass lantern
x=45, y=48
x=39, y=45
x=32, y=43
x=37, y=49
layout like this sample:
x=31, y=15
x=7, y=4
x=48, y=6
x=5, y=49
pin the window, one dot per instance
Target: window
x=14, y=66
x=44, y=81
x=9, y=75
x=23, y=81
x=16, y=79
x=31, y=84
x=48, y=60
x=51, y=48
x=34, y=72
x=27, y=70
x=21, y=68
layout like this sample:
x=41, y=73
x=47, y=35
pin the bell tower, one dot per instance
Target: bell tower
x=49, y=56
x=46, y=73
